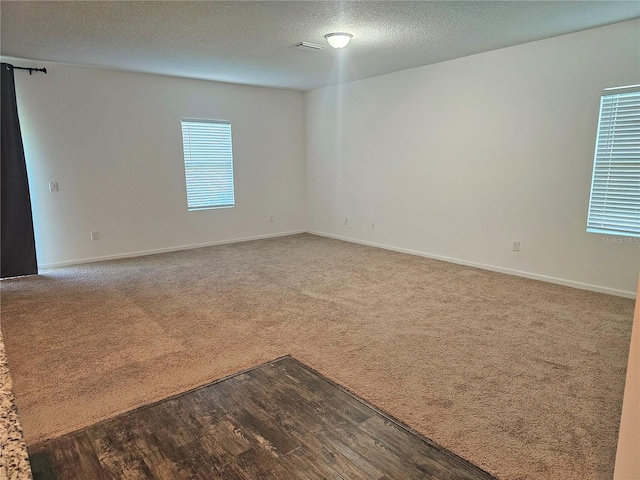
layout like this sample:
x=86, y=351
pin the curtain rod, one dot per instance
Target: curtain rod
x=31, y=70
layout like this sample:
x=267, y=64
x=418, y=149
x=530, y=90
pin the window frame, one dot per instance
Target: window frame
x=614, y=199
x=222, y=158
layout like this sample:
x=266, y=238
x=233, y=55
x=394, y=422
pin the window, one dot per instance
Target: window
x=614, y=206
x=208, y=163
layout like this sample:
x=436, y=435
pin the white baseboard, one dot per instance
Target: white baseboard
x=493, y=268
x=165, y=250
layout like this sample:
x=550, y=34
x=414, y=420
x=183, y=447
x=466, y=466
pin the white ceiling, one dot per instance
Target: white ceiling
x=252, y=42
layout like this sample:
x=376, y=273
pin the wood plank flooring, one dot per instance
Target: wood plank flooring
x=281, y=420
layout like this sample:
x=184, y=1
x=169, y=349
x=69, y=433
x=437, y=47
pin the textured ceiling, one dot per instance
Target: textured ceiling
x=252, y=42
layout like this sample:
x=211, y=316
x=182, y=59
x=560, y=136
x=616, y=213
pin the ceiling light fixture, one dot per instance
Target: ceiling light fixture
x=338, y=39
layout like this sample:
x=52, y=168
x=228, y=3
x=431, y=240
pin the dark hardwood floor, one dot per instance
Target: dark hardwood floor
x=281, y=420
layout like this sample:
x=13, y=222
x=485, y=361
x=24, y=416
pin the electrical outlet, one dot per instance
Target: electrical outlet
x=271, y=218
x=373, y=224
x=95, y=235
x=53, y=186
x=516, y=246
x=346, y=221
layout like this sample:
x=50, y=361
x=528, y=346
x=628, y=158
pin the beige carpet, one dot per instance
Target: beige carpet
x=523, y=378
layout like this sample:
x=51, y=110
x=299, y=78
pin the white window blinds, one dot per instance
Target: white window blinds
x=614, y=206
x=208, y=163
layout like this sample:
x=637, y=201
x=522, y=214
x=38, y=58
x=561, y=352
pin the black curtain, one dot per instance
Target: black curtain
x=18, y=245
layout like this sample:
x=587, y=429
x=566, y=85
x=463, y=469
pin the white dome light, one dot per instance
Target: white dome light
x=339, y=39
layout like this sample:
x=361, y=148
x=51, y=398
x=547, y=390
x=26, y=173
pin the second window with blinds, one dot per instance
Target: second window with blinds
x=614, y=206
x=208, y=163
